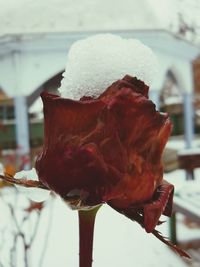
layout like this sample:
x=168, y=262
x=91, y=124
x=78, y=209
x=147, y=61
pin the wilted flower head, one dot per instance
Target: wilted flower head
x=106, y=149
x=106, y=146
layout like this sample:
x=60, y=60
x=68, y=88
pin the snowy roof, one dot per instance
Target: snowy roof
x=27, y=16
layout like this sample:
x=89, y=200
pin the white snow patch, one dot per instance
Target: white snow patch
x=4, y=215
x=190, y=151
x=34, y=194
x=96, y=62
x=1, y=169
x=183, y=186
x=178, y=143
x=173, y=100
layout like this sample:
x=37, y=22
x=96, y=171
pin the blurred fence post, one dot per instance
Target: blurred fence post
x=188, y=124
x=22, y=132
x=188, y=118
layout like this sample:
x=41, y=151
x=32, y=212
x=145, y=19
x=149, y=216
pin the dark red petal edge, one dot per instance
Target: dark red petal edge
x=148, y=215
x=138, y=217
x=161, y=204
x=130, y=82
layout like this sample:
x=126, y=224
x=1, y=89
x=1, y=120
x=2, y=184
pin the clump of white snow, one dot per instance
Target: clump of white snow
x=96, y=62
x=34, y=194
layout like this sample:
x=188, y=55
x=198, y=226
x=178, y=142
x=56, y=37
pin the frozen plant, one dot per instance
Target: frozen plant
x=105, y=144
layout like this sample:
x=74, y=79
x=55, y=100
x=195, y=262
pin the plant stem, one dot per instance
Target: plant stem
x=23, y=182
x=86, y=231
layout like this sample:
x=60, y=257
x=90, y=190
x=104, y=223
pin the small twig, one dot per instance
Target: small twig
x=25, y=219
x=14, y=217
x=26, y=248
x=23, y=182
x=26, y=245
x=46, y=238
x=13, y=251
x=19, y=232
x=170, y=244
x=17, y=235
x=35, y=229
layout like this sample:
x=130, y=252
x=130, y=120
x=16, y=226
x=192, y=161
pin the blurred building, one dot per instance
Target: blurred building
x=35, y=38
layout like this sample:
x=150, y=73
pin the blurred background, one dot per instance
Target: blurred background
x=35, y=37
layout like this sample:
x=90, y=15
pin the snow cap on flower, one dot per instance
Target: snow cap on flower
x=96, y=62
x=34, y=194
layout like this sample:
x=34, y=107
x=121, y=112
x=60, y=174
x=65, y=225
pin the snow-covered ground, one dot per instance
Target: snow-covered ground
x=118, y=241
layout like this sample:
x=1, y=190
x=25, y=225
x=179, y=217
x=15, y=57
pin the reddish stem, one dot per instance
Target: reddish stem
x=23, y=182
x=86, y=231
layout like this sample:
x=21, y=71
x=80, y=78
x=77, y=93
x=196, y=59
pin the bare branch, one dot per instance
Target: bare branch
x=35, y=229
x=13, y=250
x=165, y=240
x=14, y=217
x=23, y=182
x=21, y=234
x=26, y=249
x=46, y=237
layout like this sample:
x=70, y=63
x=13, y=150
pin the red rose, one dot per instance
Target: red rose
x=108, y=150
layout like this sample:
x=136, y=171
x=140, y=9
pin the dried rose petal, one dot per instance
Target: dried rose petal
x=148, y=214
x=105, y=149
x=109, y=149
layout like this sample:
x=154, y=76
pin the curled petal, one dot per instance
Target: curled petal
x=148, y=215
x=130, y=82
x=143, y=133
x=104, y=149
x=161, y=204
